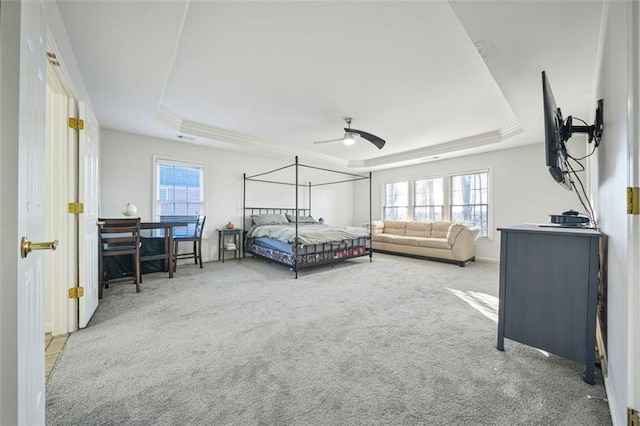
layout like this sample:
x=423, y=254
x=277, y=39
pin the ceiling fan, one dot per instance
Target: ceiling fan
x=350, y=134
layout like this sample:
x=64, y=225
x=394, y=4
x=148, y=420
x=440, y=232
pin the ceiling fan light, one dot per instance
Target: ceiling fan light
x=349, y=139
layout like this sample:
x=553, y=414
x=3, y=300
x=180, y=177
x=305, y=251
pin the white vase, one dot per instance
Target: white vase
x=129, y=209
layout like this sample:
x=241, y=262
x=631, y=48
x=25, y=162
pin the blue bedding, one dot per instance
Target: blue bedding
x=272, y=243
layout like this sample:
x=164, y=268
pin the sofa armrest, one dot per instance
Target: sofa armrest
x=464, y=246
x=375, y=227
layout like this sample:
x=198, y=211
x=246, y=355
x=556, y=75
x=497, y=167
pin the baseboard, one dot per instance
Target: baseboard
x=487, y=259
x=611, y=398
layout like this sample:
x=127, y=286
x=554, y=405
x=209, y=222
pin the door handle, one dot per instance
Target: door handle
x=27, y=246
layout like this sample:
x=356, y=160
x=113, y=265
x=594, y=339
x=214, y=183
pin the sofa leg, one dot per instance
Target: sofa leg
x=462, y=264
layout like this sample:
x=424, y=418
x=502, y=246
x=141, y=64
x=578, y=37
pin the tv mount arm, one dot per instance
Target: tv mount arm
x=593, y=131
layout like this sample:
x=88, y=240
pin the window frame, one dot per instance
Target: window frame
x=409, y=197
x=489, y=199
x=444, y=196
x=447, y=195
x=157, y=160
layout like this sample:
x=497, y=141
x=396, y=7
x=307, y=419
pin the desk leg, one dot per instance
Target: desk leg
x=170, y=251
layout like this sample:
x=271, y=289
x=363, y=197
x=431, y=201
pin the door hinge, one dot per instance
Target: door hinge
x=76, y=208
x=633, y=200
x=76, y=123
x=632, y=417
x=76, y=292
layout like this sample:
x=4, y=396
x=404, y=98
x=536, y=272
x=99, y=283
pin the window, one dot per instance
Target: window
x=460, y=198
x=396, y=203
x=428, y=199
x=179, y=189
x=470, y=200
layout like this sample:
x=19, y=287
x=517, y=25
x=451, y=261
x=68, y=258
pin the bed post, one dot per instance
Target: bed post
x=309, y=198
x=295, y=260
x=370, y=223
x=244, y=211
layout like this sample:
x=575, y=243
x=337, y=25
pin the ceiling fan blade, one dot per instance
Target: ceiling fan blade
x=332, y=140
x=378, y=142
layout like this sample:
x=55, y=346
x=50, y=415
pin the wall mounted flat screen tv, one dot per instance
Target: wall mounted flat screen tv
x=557, y=132
x=554, y=132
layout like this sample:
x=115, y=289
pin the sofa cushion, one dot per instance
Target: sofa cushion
x=382, y=238
x=406, y=241
x=453, y=232
x=440, y=229
x=439, y=243
x=419, y=229
x=395, y=227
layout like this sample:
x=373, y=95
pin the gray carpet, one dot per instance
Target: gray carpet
x=389, y=342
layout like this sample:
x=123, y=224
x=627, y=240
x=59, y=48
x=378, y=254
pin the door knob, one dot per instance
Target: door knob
x=27, y=246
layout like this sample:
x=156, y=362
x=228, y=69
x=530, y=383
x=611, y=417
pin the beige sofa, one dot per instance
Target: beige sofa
x=447, y=241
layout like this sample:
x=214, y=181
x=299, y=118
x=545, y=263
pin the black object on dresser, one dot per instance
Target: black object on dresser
x=548, y=291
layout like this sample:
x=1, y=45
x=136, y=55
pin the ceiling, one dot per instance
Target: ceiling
x=435, y=79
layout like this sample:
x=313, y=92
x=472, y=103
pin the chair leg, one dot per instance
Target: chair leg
x=195, y=254
x=136, y=262
x=100, y=276
x=105, y=273
x=199, y=252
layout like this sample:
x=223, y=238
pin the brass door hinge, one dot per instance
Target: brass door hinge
x=76, y=123
x=633, y=200
x=76, y=208
x=76, y=292
x=632, y=417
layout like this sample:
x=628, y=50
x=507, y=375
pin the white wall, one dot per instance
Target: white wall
x=127, y=176
x=521, y=189
x=610, y=175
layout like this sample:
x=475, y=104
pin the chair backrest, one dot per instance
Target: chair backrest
x=119, y=235
x=199, y=227
x=186, y=231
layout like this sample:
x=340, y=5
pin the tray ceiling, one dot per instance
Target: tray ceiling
x=434, y=78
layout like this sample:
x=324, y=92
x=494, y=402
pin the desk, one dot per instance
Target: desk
x=167, y=228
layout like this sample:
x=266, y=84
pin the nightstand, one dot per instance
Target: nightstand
x=229, y=240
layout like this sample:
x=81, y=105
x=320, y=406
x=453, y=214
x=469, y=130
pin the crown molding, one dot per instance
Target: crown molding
x=427, y=153
x=415, y=156
x=169, y=118
x=240, y=139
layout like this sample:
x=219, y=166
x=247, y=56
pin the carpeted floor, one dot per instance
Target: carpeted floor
x=397, y=341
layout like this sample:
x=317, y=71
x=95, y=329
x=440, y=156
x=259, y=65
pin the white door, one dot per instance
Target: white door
x=88, y=185
x=31, y=215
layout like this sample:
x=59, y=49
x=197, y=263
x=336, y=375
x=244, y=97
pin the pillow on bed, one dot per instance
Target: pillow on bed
x=269, y=219
x=301, y=219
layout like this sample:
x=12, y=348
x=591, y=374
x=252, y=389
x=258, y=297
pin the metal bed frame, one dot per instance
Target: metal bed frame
x=297, y=211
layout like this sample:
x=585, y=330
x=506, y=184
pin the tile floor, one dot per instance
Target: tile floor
x=52, y=349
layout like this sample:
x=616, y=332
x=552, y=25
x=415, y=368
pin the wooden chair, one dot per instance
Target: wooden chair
x=195, y=238
x=118, y=237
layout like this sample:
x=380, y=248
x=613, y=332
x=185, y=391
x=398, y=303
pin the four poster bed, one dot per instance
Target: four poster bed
x=292, y=236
